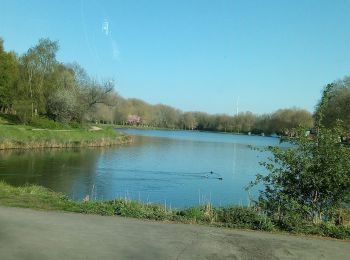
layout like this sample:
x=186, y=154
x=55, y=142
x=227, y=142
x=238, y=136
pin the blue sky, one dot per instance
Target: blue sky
x=195, y=54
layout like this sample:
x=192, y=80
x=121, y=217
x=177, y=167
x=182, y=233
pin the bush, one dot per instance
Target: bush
x=9, y=119
x=41, y=122
x=61, y=105
x=309, y=178
x=244, y=217
x=134, y=209
x=75, y=125
x=199, y=214
x=331, y=230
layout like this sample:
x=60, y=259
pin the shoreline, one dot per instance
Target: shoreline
x=189, y=130
x=25, y=137
x=121, y=140
x=236, y=217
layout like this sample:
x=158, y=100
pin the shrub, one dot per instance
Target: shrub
x=61, y=105
x=199, y=214
x=41, y=122
x=244, y=217
x=331, y=230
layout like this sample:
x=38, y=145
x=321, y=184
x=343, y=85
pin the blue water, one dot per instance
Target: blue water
x=176, y=168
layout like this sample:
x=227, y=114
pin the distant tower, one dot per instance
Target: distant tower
x=236, y=105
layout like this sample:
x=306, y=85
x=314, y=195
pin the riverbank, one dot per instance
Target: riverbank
x=27, y=137
x=37, y=197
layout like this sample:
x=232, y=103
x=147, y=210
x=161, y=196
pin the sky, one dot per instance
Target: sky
x=195, y=55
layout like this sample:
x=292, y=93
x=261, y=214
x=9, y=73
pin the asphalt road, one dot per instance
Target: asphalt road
x=30, y=234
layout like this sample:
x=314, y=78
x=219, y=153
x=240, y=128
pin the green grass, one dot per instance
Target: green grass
x=25, y=137
x=37, y=197
x=44, y=133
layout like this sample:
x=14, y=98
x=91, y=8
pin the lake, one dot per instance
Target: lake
x=176, y=168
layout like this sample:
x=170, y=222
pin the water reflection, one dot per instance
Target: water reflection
x=173, y=167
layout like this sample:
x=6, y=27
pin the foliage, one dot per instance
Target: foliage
x=36, y=84
x=309, y=180
x=24, y=137
x=61, y=106
x=8, y=79
x=37, y=197
x=45, y=123
x=244, y=217
x=337, y=107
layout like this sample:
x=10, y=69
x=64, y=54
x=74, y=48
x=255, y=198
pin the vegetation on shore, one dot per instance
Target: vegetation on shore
x=308, y=182
x=35, y=84
x=37, y=197
x=44, y=103
x=48, y=134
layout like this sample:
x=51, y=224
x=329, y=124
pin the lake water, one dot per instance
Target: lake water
x=176, y=168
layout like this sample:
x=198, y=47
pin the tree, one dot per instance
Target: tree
x=36, y=65
x=189, y=121
x=284, y=120
x=61, y=106
x=8, y=79
x=312, y=177
x=338, y=106
x=93, y=94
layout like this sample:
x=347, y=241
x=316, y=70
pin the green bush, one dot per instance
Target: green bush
x=331, y=230
x=9, y=119
x=41, y=122
x=128, y=208
x=75, y=125
x=244, y=217
x=200, y=214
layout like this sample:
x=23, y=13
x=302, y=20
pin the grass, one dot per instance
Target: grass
x=37, y=197
x=45, y=133
x=25, y=137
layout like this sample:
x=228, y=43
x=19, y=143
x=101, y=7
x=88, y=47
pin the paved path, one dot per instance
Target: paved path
x=30, y=234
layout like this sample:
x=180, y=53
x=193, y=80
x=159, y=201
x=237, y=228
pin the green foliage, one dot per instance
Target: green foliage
x=337, y=106
x=61, y=106
x=9, y=119
x=336, y=231
x=35, y=83
x=309, y=180
x=45, y=123
x=9, y=75
x=244, y=217
x=32, y=196
x=200, y=214
x=129, y=208
x=25, y=137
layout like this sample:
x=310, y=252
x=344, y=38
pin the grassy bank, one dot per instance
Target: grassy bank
x=27, y=137
x=234, y=217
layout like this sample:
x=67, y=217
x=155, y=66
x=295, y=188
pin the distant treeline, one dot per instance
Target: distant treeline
x=164, y=116
x=36, y=85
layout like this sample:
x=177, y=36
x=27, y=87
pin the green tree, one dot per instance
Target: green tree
x=36, y=66
x=311, y=178
x=8, y=79
x=338, y=106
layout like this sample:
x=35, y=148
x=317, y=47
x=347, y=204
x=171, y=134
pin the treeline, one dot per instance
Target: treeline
x=138, y=112
x=36, y=85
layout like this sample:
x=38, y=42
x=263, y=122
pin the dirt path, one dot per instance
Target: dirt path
x=30, y=234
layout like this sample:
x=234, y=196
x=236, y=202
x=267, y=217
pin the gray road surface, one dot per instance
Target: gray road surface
x=30, y=234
